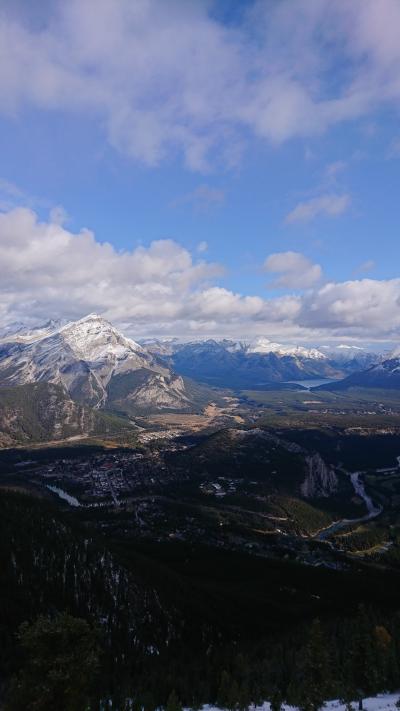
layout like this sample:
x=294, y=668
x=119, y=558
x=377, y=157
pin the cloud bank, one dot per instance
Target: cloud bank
x=47, y=271
x=172, y=78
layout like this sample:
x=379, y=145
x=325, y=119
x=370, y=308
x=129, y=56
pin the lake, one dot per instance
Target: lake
x=313, y=383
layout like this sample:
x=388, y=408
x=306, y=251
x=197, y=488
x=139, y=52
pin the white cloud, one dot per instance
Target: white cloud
x=365, y=308
x=330, y=205
x=44, y=266
x=47, y=271
x=202, y=247
x=169, y=77
x=296, y=271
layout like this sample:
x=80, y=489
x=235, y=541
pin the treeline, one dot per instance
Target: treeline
x=61, y=662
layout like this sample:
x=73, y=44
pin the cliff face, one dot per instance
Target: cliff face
x=320, y=479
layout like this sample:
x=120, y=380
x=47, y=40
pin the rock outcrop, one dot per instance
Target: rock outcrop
x=320, y=480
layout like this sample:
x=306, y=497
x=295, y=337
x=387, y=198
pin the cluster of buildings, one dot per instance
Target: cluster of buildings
x=220, y=488
x=108, y=477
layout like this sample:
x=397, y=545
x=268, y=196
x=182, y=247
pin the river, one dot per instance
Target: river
x=311, y=383
x=373, y=511
x=63, y=495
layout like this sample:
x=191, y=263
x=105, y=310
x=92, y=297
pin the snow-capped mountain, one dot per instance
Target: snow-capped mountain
x=259, y=362
x=85, y=357
x=263, y=345
x=160, y=346
x=22, y=333
x=243, y=364
x=350, y=357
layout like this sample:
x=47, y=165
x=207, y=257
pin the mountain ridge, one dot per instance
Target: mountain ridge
x=83, y=357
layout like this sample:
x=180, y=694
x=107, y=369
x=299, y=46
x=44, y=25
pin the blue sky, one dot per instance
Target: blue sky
x=259, y=149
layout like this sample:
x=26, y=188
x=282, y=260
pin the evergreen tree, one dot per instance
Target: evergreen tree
x=223, y=695
x=60, y=665
x=316, y=671
x=234, y=695
x=173, y=703
x=229, y=693
x=276, y=701
x=384, y=647
x=364, y=671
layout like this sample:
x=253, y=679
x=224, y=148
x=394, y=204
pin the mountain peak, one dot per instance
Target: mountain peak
x=92, y=317
x=93, y=338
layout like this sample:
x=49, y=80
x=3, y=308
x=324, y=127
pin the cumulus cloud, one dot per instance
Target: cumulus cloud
x=171, y=77
x=361, y=308
x=47, y=271
x=44, y=266
x=296, y=271
x=328, y=205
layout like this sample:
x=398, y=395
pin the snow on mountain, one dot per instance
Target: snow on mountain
x=350, y=357
x=96, y=341
x=21, y=333
x=85, y=356
x=263, y=345
x=160, y=346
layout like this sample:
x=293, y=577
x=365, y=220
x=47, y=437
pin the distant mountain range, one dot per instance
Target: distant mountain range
x=384, y=375
x=87, y=366
x=257, y=364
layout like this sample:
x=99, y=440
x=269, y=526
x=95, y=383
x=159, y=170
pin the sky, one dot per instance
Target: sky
x=202, y=168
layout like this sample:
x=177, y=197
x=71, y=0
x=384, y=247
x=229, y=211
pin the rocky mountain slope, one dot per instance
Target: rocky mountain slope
x=86, y=357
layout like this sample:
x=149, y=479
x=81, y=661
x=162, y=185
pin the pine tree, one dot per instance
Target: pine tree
x=276, y=701
x=173, y=703
x=224, y=689
x=364, y=671
x=316, y=671
x=61, y=658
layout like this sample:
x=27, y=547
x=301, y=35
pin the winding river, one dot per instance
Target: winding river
x=373, y=511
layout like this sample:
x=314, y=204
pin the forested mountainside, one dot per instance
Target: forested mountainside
x=40, y=412
x=214, y=626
